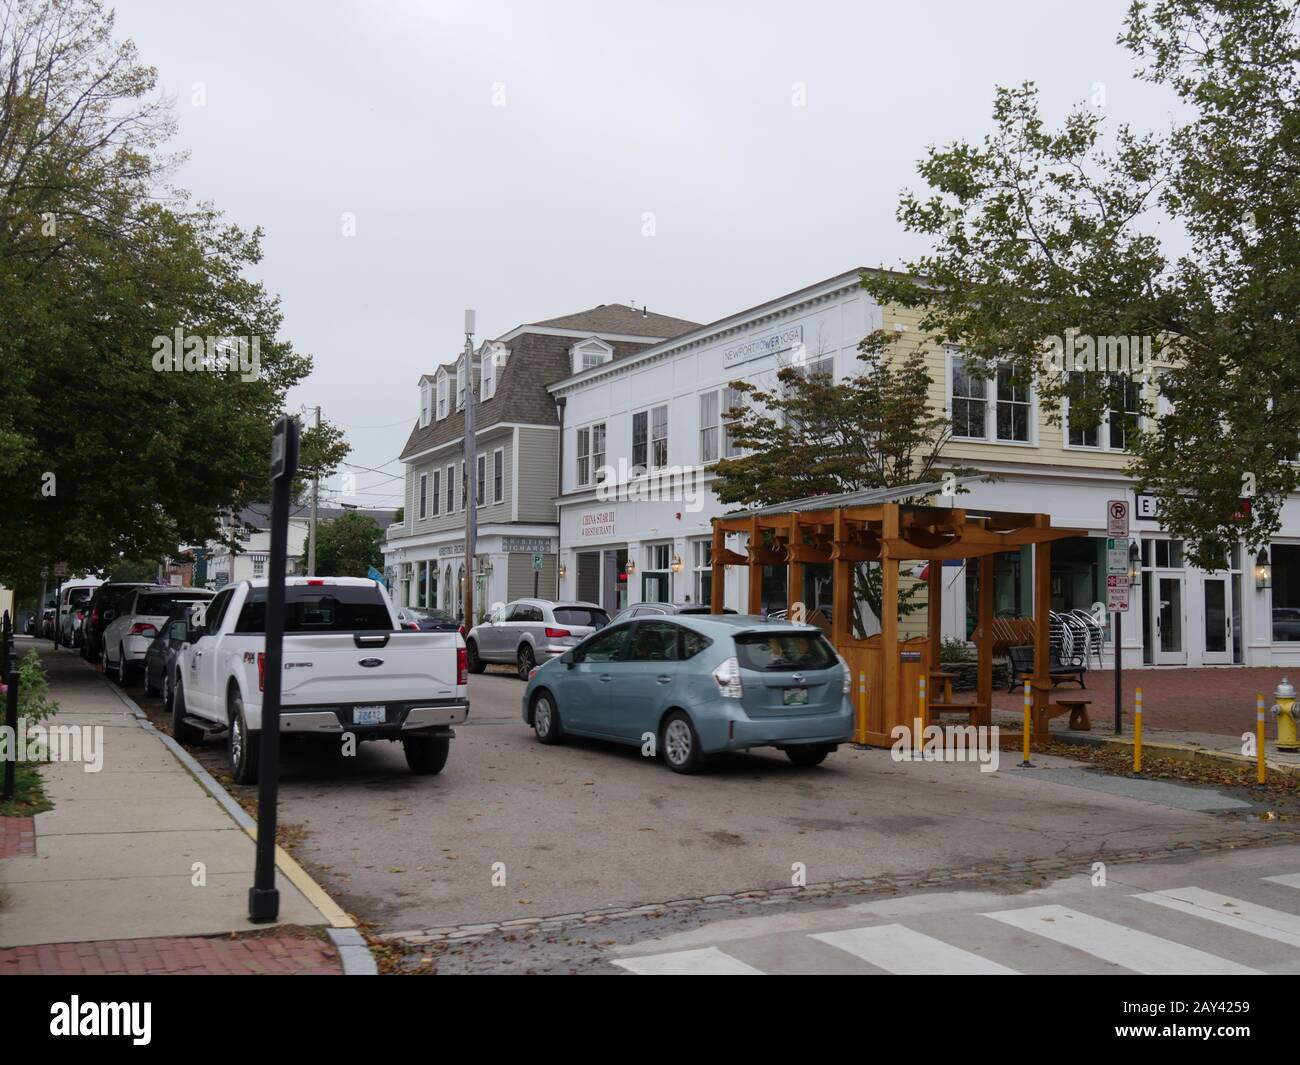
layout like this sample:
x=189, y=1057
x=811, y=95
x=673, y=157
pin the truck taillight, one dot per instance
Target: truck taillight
x=462, y=666
x=261, y=671
x=555, y=634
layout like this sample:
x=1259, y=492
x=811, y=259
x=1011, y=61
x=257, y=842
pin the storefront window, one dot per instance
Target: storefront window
x=1286, y=591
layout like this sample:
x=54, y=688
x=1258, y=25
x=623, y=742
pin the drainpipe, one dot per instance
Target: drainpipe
x=560, y=402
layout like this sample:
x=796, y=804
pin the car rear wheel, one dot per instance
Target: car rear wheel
x=807, y=755
x=526, y=661
x=243, y=744
x=681, y=744
x=426, y=755
x=476, y=664
x=181, y=731
x=123, y=672
x=546, y=718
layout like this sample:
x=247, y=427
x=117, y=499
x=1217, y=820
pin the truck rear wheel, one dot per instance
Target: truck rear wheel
x=244, y=746
x=182, y=732
x=426, y=755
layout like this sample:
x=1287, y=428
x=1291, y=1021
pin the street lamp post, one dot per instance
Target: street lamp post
x=471, y=475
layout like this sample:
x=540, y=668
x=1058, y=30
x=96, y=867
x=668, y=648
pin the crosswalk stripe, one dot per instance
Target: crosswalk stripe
x=707, y=961
x=1223, y=909
x=1139, y=951
x=898, y=949
x=1286, y=880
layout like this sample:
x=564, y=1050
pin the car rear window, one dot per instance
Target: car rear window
x=320, y=608
x=769, y=652
x=77, y=596
x=166, y=604
x=581, y=615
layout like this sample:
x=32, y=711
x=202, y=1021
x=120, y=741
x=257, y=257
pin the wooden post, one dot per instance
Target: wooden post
x=1042, y=632
x=755, y=569
x=984, y=673
x=794, y=574
x=718, y=592
x=894, y=714
x=934, y=592
x=841, y=592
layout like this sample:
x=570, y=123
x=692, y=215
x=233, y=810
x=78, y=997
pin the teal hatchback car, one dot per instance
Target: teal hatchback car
x=691, y=685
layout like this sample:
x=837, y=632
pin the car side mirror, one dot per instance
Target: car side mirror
x=568, y=658
x=109, y=615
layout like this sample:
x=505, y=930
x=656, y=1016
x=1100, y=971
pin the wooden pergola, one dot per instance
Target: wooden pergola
x=877, y=526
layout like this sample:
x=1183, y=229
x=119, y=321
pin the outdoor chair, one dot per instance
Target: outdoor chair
x=1058, y=669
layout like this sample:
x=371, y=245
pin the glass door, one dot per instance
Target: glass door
x=1170, y=647
x=1218, y=622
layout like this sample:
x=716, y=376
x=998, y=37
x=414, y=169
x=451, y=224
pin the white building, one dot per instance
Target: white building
x=647, y=536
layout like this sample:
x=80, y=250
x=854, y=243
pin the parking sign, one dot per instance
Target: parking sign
x=1117, y=517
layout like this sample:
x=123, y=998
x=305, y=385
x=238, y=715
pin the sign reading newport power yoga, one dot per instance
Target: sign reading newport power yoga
x=764, y=344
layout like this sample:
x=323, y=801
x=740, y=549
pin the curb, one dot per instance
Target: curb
x=342, y=928
x=1180, y=752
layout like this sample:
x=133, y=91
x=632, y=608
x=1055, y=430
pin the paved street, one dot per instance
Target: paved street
x=587, y=825
x=1234, y=913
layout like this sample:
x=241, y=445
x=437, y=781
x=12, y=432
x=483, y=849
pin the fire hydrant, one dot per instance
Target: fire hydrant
x=1284, y=709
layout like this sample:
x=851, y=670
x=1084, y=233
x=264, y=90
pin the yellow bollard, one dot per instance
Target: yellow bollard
x=1261, y=768
x=862, y=708
x=1028, y=724
x=1137, y=731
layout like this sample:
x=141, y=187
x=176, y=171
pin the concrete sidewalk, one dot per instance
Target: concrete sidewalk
x=147, y=848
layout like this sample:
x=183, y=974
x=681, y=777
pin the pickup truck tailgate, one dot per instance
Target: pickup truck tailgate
x=368, y=667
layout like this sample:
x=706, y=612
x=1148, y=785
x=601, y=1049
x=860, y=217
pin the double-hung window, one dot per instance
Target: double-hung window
x=641, y=440
x=480, y=482
x=709, y=427
x=1120, y=420
x=451, y=489
x=999, y=407
x=424, y=496
x=498, y=474
x=659, y=437
x=732, y=400
x=433, y=496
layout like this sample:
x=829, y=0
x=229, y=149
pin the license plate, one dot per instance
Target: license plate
x=796, y=697
x=367, y=715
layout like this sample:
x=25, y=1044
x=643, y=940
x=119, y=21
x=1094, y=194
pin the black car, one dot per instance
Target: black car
x=160, y=658
x=426, y=619
x=102, y=609
x=645, y=610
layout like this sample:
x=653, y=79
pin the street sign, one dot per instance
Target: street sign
x=1117, y=517
x=60, y=569
x=1117, y=555
x=537, y=563
x=1117, y=592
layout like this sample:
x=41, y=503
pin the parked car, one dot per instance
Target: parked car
x=139, y=619
x=47, y=622
x=348, y=668
x=160, y=658
x=648, y=610
x=528, y=631
x=103, y=607
x=427, y=619
x=73, y=600
x=698, y=684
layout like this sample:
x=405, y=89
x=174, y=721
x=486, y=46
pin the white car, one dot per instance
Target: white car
x=528, y=631
x=73, y=600
x=142, y=617
x=347, y=669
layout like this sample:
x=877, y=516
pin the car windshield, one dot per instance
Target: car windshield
x=320, y=608
x=581, y=615
x=778, y=651
x=426, y=614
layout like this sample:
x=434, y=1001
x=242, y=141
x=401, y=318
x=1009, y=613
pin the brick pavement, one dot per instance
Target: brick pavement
x=282, y=953
x=17, y=837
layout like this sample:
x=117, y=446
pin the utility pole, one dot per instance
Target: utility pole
x=311, y=526
x=471, y=474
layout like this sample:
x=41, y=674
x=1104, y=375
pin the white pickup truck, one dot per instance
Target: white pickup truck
x=348, y=669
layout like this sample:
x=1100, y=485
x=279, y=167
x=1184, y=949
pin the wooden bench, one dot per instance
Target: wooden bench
x=1076, y=708
x=976, y=713
x=1022, y=665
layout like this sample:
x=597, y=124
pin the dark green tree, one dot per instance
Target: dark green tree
x=347, y=546
x=1185, y=236
x=103, y=454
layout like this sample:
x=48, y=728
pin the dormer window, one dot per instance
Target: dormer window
x=590, y=353
x=442, y=396
x=492, y=361
x=426, y=402
x=461, y=377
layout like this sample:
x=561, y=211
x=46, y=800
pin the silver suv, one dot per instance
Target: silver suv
x=528, y=631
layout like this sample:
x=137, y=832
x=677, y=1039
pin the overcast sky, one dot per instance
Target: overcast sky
x=391, y=111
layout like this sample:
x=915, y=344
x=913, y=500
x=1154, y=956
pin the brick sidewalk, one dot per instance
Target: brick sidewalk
x=1221, y=701
x=17, y=837
x=278, y=954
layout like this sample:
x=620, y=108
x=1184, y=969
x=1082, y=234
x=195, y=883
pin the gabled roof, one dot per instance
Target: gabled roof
x=619, y=318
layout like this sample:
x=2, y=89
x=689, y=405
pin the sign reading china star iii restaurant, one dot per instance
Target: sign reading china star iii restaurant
x=594, y=523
